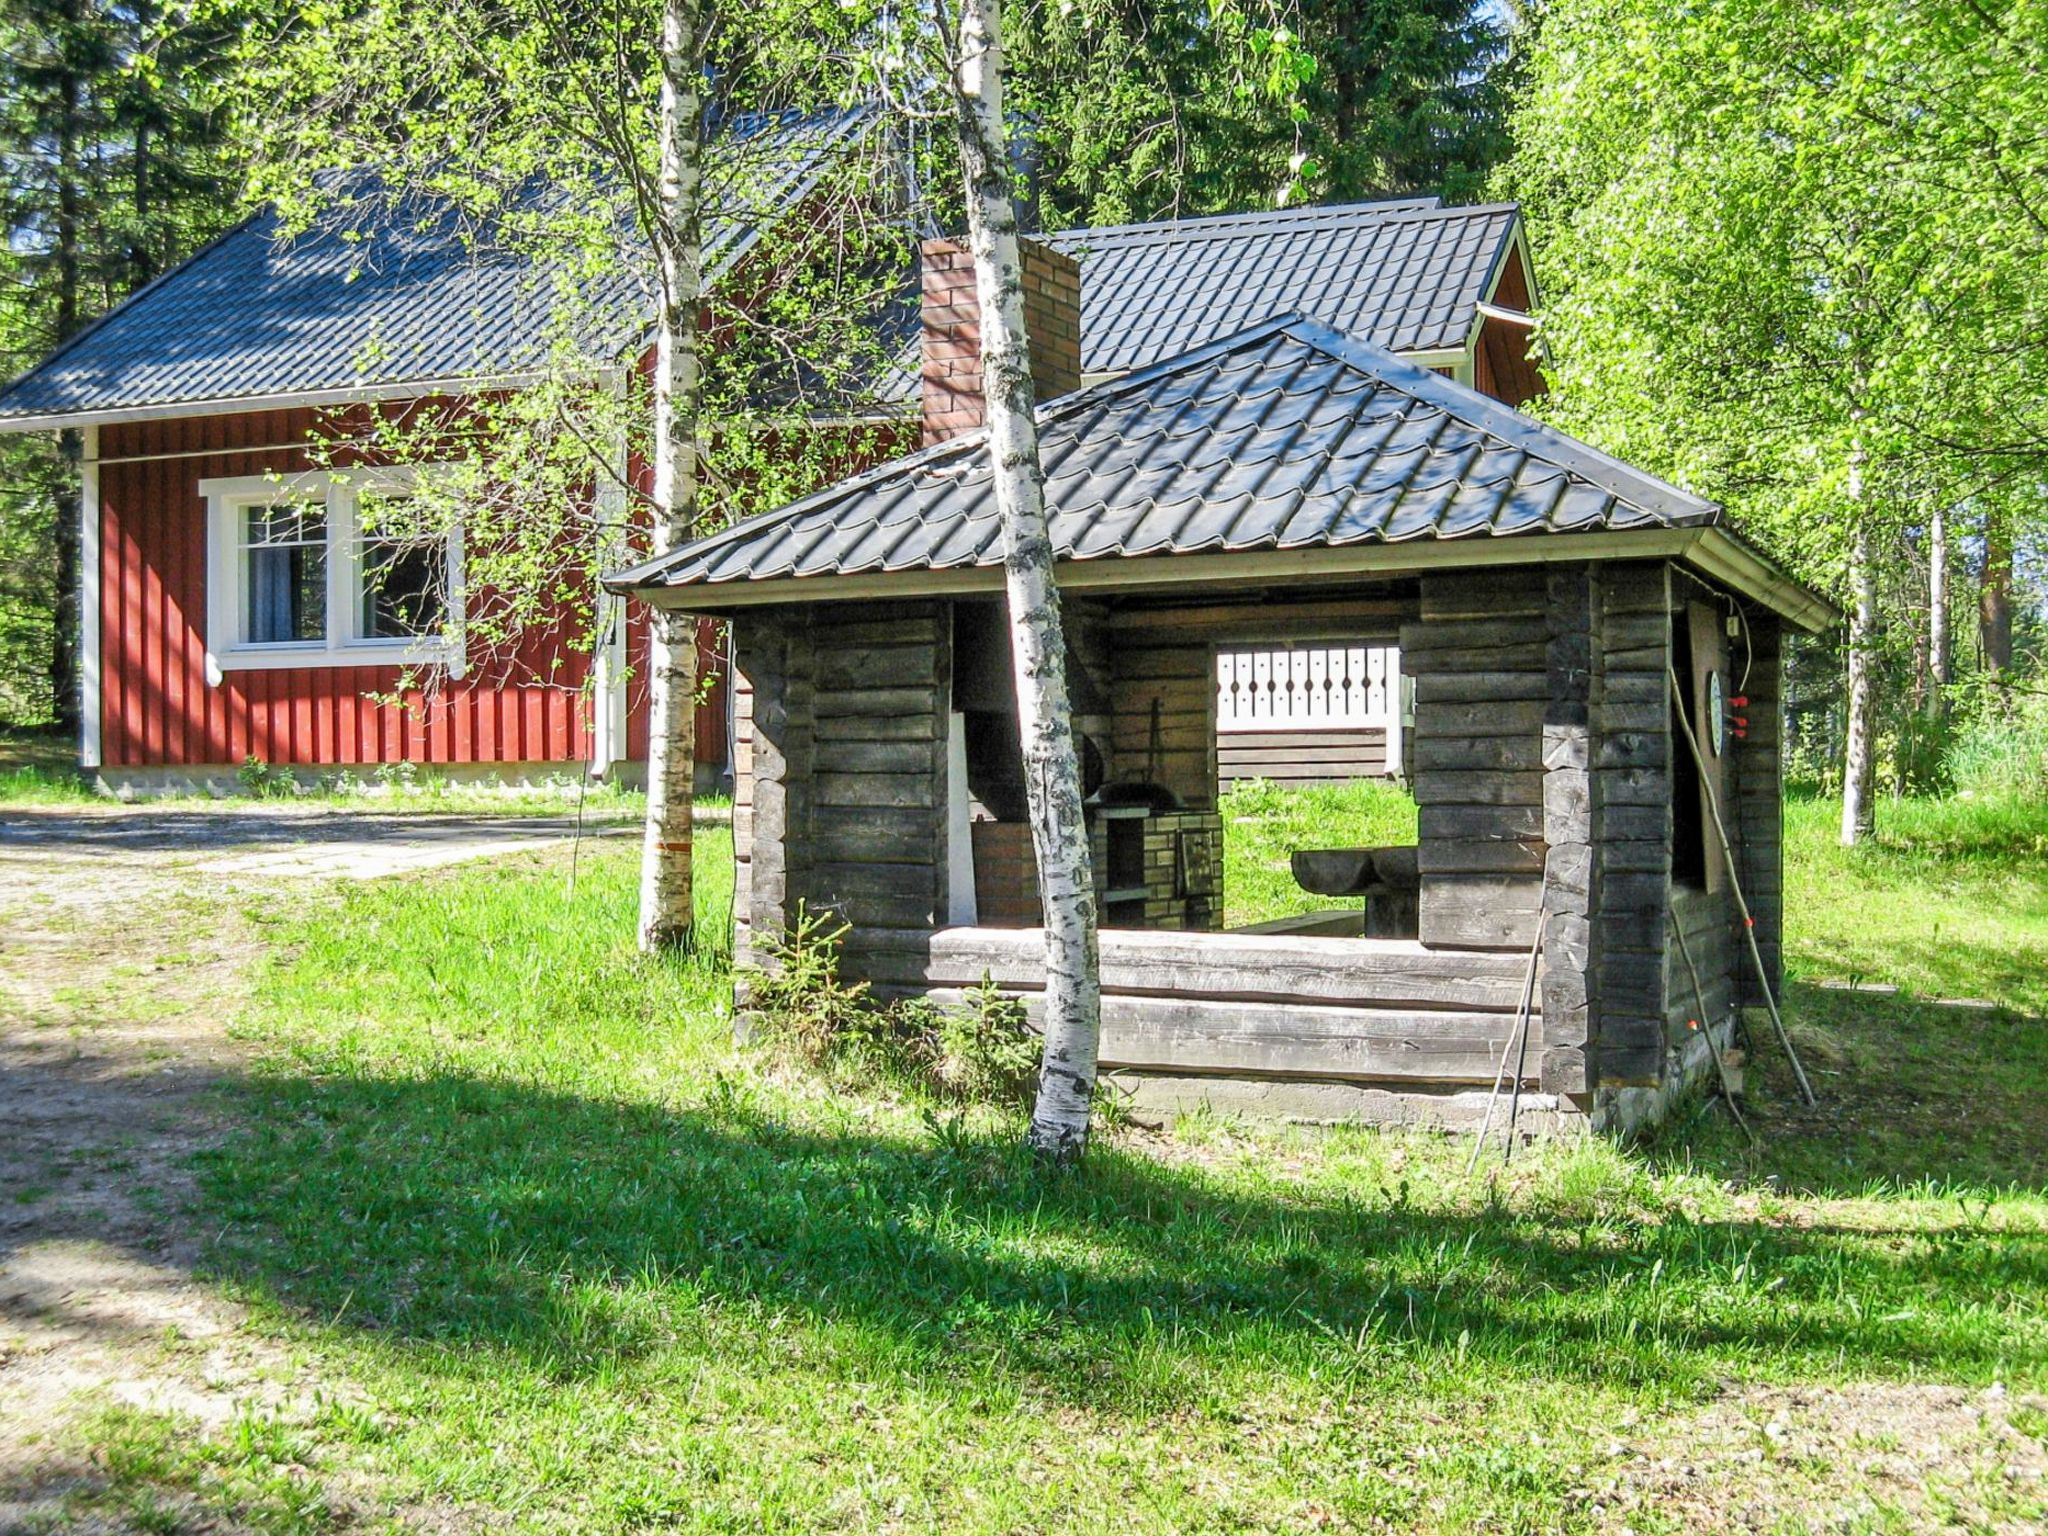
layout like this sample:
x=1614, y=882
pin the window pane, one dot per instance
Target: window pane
x=294, y=522
x=405, y=588
x=287, y=593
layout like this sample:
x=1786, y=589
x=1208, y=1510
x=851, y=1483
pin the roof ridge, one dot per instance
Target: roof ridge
x=1230, y=226
x=1498, y=421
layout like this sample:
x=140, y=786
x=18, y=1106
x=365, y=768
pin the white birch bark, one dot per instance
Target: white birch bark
x=1859, y=808
x=665, y=889
x=1939, y=666
x=1066, y=1084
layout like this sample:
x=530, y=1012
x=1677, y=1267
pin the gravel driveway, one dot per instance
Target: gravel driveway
x=126, y=944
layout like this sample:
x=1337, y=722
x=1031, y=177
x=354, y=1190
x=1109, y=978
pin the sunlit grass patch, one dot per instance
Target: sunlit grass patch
x=598, y=1267
x=1264, y=823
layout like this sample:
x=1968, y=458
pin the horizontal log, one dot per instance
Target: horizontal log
x=1462, y=594
x=838, y=756
x=1238, y=748
x=877, y=703
x=1193, y=1034
x=829, y=628
x=1508, y=754
x=1490, y=928
x=1265, y=967
x=1523, y=856
x=1456, y=786
x=880, y=790
x=1480, y=823
x=1635, y=715
x=1357, y=621
x=1421, y=660
x=876, y=666
x=1514, y=717
x=1480, y=687
x=853, y=835
x=1160, y=664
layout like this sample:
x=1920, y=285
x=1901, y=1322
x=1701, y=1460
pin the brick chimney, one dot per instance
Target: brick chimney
x=952, y=332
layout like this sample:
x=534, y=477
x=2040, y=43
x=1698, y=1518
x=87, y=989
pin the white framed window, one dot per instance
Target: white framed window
x=322, y=569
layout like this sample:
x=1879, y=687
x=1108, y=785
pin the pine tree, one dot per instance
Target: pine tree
x=113, y=128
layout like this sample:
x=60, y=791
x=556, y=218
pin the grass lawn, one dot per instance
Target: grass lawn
x=589, y=1266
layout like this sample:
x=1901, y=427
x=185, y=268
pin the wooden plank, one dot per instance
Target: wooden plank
x=866, y=703
x=875, y=666
x=1264, y=1039
x=922, y=726
x=1383, y=972
x=1454, y=786
x=879, y=790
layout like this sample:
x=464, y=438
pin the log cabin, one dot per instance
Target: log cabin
x=1563, y=620
x=199, y=403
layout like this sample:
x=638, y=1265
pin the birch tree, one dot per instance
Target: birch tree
x=1052, y=774
x=667, y=910
x=1792, y=258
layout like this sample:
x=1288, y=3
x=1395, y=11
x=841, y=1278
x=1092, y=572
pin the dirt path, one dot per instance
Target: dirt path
x=126, y=946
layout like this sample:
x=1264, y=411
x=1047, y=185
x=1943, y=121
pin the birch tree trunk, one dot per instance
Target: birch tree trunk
x=1052, y=775
x=1940, y=669
x=1859, y=809
x=665, y=890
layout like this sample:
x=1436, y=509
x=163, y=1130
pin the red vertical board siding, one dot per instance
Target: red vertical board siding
x=156, y=705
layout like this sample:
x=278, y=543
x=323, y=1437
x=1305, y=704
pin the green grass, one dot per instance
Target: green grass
x=1264, y=823
x=1951, y=900
x=594, y=1267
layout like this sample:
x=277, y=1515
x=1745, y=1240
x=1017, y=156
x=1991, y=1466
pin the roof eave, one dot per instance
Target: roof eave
x=1712, y=551
x=1721, y=554
x=232, y=405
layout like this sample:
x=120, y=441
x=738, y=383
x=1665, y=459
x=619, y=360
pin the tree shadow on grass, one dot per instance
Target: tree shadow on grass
x=481, y=1215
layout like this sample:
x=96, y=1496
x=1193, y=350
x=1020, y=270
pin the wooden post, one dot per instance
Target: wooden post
x=772, y=653
x=1478, y=655
x=1571, y=832
x=1632, y=763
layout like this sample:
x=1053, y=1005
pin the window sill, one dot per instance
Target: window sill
x=282, y=658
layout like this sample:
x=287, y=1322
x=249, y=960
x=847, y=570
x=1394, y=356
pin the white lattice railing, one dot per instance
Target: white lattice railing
x=1308, y=688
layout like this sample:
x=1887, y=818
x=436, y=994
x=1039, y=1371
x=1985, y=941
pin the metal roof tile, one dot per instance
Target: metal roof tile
x=1290, y=434
x=385, y=294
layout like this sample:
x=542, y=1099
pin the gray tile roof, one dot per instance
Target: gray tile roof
x=1288, y=435
x=1407, y=275
x=417, y=298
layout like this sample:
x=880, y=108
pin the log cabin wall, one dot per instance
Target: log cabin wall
x=1633, y=789
x=1542, y=745
x=1478, y=655
x=1574, y=670
x=840, y=805
x=1162, y=697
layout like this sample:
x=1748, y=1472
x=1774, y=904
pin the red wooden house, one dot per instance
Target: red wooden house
x=233, y=610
